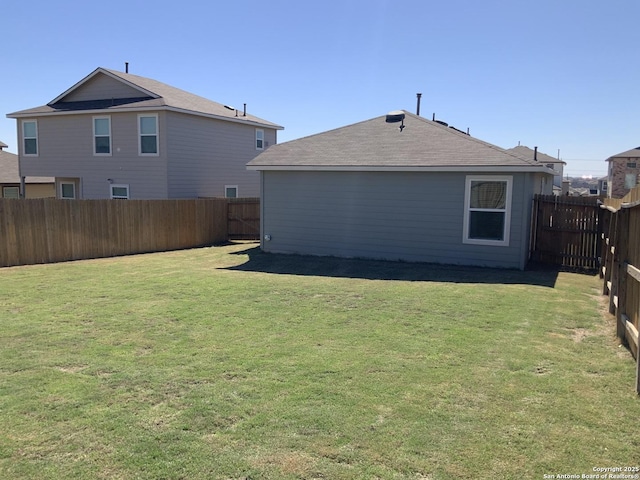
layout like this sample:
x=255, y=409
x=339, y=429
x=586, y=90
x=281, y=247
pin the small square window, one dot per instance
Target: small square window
x=120, y=192
x=67, y=190
x=10, y=192
x=231, y=191
x=632, y=165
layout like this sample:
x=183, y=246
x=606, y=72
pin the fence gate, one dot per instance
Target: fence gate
x=566, y=231
x=243, y=218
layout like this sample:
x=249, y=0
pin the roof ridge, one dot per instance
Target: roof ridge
x=471, y=138
x=546, y=157
x=331, y=130
x=160, y=96
x=376, y=145
x=124, y=75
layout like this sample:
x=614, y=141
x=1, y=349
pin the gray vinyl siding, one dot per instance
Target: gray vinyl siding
x=65, y=149
x=101, y=87
x=405, y=216
x=207, y=154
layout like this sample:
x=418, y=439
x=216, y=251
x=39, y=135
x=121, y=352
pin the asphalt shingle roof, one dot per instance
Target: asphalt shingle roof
x=9, y=168
x=634, y=152
x=9, y=172
x=151, y=94
x=526, y=152
x=375, y=143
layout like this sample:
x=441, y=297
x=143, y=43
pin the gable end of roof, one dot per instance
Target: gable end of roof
x=103, y=71
x=146, y=94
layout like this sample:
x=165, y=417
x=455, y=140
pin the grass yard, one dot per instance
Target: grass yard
x=226, y=363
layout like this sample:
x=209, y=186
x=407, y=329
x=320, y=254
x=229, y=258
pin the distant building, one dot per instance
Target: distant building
x=35, y=187
x=555, y=164
x=624, y=172
x=603, y=186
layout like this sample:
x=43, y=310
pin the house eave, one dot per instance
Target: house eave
x=102, y=111
x=242, y=120
x=379, y=168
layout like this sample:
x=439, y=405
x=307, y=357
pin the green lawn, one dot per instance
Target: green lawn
x=226, y=363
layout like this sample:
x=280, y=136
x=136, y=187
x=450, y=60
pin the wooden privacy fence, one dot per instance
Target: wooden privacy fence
x=621, y=268
x=49, y=230
x=566, y=231
x=243, y=216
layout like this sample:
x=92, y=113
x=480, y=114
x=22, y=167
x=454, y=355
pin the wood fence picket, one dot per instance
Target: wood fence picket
x=620, y=269
x=48, y=230
x=566, y=231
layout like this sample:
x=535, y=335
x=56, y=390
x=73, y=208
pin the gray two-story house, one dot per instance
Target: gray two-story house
x=118, y=135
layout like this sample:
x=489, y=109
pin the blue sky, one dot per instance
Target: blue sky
x=557, y=74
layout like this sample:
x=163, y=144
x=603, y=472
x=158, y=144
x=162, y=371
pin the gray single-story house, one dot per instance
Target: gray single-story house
x=413, y=190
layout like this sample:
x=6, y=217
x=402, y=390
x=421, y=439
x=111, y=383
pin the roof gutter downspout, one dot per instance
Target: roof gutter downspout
x=22, y=193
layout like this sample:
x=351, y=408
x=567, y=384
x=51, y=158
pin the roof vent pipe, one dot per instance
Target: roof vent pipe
x=395, y=117
x=244, y=114
x=535, y=154
x=419, y=95
x=126, y=67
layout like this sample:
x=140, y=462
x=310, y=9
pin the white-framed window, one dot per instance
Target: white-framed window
x=102, y=135
x=487, y=210
x=30, y=137
x=119, y=191
x=148, y=135
x=630, y=180
x=10, y=192
x=259, y=139
x=231, y=191
x=68, y=190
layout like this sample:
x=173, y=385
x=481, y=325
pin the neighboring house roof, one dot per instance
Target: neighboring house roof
x=9, y=172
x=634, y=152
x=9, y=168
x=146, y=94
x=528, y=153
x=377, y=145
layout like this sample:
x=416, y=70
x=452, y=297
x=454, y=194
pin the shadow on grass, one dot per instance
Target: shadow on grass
x=308, y=265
